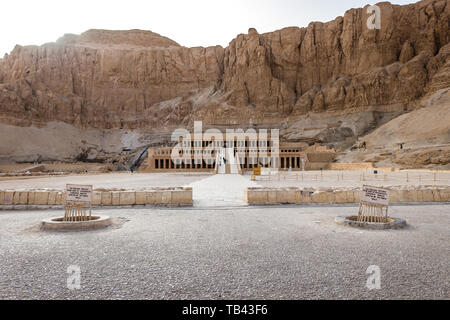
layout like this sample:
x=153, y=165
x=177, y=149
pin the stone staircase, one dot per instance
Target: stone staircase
x=227, y=163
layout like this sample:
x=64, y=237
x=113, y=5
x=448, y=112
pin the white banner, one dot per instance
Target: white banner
x=374, y=195
x=78, y=193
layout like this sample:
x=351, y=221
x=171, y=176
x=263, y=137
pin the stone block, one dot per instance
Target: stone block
x=60, y=198
x=106, y=198
x=298, y=196
x=444, y=195
x=141, y=198
x=8, y=197
x=305, y=196
x=23, y=198
x=318, y=197
x=51, y=200
x=331, y=197
x=41, y=197
x=404, y=196
x=418, y=195
x=341, y=197
x=96, y=199
x=351, y=197
x=31, y=197
x=282, y=196
x=394, y=196
x=115, y=198
x=189, y=195
x=127, y=198
x=436, y=195
x=20, y=198
x=261, y=196
x=182, y=197
x=154, y=197
x=357, y=196
x=291, y=196
x=271, y=196
x=323, y=197
x=166, y=197
x=427, y=195
x=250, y=196
x=16, y=197
x=412, y=196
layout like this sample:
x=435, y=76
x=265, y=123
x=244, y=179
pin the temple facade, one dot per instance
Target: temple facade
x=205, y=156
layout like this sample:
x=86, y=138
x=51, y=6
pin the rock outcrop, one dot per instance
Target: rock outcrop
x=138, y=80
x=340, y=64
x=102, y=85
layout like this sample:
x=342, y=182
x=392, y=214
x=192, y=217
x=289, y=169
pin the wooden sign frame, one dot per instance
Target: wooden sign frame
x=374, y=208
x=369, y=212
x=75, y=207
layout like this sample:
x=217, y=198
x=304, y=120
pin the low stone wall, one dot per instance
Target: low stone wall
x=351, y=166
x=262, y=196
x=172, y=197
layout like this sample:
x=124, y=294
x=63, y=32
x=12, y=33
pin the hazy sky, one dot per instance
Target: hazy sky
x=189, y=22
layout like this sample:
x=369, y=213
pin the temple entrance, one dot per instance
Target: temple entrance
x=227, y=162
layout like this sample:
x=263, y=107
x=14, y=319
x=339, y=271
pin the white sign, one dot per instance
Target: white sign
x=78, y=193
x=375, y=195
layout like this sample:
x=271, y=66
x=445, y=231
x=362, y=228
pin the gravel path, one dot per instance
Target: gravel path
x=234, y=253
x=221, y=190
x=109, y=180
x=326, y=179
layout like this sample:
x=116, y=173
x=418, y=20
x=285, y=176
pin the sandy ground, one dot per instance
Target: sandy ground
x=231, y=183
x=57, y=167
x=59, y=141
x=135, y=181
x=293, y=252
x=351, y=179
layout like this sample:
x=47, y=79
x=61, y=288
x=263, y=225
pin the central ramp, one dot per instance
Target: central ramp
x=227, y=162
x=221, y=190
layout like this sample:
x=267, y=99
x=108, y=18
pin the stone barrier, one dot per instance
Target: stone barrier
x=42, y=199
x=263, y=196
x=351, y=166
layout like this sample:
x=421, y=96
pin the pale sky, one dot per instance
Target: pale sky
x=188, y=22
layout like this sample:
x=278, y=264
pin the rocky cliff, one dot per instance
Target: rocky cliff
x=312, y=82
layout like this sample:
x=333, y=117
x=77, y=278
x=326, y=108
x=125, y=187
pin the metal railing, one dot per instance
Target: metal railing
x=358, y=176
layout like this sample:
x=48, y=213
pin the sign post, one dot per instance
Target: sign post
x=256, y=172
x=77, y=196
x=374, y=205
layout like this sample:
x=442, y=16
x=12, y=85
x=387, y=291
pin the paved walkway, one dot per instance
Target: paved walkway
x=221, y=190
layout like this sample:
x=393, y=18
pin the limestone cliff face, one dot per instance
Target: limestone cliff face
x=100, y=80
x=142, y=81
x=341, y=64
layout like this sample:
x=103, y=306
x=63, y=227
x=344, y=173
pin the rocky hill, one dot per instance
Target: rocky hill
x=330, y=82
